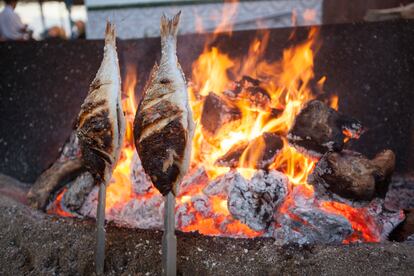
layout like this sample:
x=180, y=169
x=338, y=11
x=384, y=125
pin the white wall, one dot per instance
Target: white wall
x=140, y=19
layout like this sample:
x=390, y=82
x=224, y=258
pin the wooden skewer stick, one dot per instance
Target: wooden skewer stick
x=100, y=230
x=169, y=240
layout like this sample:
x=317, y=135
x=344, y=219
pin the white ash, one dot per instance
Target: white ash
x=88, y=208
x=385, y=220
x=144, y=214
x=223, y=184
x=201, y=204
x=400, y=193
x=184, y=216
x=304, y=223
x=196, y=176
x=78, y=191
x=141, y=182
x=253, y=201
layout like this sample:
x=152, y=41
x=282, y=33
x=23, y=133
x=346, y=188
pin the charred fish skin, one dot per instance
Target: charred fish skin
x=101, y=122
x=164, y=126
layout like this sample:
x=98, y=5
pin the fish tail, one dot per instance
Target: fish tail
x=169, y=27
x=110, y=36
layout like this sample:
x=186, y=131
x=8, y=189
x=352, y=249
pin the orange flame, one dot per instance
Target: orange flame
x=358, y=219
x=119, y=192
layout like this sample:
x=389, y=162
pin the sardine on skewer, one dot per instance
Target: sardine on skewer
x=101, y=129
x=163, y=131
x=164, y=126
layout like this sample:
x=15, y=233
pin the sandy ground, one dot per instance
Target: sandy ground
x=32, y=243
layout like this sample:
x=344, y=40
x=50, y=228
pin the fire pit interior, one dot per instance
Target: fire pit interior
x=303, y=136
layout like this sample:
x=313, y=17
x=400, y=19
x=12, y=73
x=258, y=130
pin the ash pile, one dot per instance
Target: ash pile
x=343, y=201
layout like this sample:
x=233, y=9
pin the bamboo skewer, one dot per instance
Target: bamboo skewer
x=100, y=230
x=169, y=240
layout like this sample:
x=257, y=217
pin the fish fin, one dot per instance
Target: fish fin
x=110, y=36
x=169, y=27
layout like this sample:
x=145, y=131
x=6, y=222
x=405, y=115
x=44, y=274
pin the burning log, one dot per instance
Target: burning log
x=405, y=230
x=254, y=201
x=65, y=168
x=260, y=152
x=319, y=128
x=218, y=114
x=351, y=175
x=77, y=191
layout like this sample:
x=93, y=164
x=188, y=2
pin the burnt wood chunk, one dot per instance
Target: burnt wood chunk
x=319, y=128
x=353, y=176
x=258, y=153
x=405, y=229
x=64, y=169
x=218, y=114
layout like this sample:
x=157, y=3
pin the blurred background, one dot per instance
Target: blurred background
x=72, y=19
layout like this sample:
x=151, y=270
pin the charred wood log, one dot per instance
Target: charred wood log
x=353, y=176
x=261, y=152
x=254, y=201
x=319, y=128
x=405, y=229
x=218, y=114
x=65, y=168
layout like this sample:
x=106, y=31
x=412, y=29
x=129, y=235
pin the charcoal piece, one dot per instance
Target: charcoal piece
x=353, y=176
x=319, y=128
x=218, y=114
x=405, y=229
x=141, y=183
x=254, y=201
x=269, y=145
x=300, y=220
x=65, y=168
x=77, y=191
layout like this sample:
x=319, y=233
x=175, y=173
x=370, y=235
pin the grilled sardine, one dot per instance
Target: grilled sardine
x=164, y=126
x=101, y=122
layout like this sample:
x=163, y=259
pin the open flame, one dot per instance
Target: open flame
x=288, y=83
